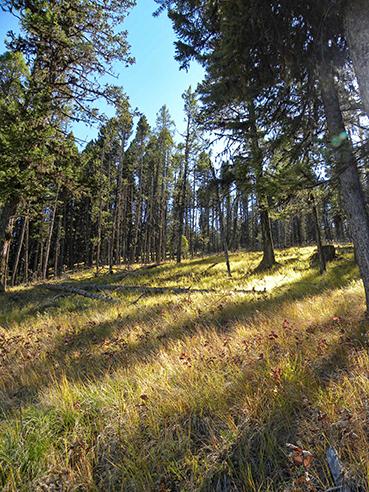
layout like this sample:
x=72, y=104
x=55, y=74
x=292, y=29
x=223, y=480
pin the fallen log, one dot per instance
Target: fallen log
x=203, y=273
x=136, y=271
x=208, y=268
x=80, y=292
x=164, y=290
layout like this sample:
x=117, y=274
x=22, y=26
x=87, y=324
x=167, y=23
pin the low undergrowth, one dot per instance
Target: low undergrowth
x=187, y=393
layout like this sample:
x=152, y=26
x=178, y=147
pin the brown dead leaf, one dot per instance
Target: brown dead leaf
x=299, y=456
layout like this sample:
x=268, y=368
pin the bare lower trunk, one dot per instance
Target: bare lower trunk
x=41, y=255
x=318, y=237
x=57, y=247
x=268, y=248
x=221, y=225
x=224, y=243
x=6, y=228
x=49, y=237
x=98, y=247
x=357, y=34
x=19, y=250
x=268, y=259
x=137, y=222
x=346, y=169
x=26, y=253
x=181, y=211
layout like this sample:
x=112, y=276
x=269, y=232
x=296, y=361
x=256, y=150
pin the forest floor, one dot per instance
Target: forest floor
x=200, y=391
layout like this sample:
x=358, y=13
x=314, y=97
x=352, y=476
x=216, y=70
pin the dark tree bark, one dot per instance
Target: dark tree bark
x=19, y=249
x=49, y=237
x=357, y=34
x=235, y=239
x=221, y=224
x=40, y=258
x=182, y=196
x=268, y=259
x=327, y=227
x=99, y=220
x=192, y=235
x=297, y=230
x=57, y=246
x=338, y=227
x=6, y=228
x=138, y=212
x=245, y=225
x=26, y=252
x=318, y=236
x=347, y=171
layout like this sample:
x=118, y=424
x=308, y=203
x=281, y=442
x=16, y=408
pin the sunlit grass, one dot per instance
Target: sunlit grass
x=190, y=392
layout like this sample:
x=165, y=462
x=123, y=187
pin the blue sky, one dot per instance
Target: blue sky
x=155, y=78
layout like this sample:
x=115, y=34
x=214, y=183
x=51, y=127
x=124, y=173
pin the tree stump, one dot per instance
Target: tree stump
x=329, y=253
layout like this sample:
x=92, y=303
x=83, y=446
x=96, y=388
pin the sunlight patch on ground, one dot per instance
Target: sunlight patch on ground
x=183, y=391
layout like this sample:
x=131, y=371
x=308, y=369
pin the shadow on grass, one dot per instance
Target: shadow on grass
x=252, y=459
x=21, y=305
x=89, y=365
x=255, y=460
x=258, y=458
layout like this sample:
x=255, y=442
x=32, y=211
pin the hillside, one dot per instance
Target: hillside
x=192, y=391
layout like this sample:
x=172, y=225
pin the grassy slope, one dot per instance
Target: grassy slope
x=191, y=392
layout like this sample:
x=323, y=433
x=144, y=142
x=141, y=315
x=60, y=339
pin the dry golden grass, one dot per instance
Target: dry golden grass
x=186, y=393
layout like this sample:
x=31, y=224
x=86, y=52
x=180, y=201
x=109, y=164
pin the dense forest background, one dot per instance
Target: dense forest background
x=274, y=153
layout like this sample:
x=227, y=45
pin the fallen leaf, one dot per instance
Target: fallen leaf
x=299, y=456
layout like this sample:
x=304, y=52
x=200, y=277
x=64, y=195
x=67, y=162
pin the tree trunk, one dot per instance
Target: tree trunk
x=357, y=34
x=318, y=236
x=297, y=230
x=138, y=214
x=268, y=259
x=19, y=250
x=347, y=171
x=40, y=258
x=26, y=253
x=268, y=249
x=57, y=247
x=98, y=246
x=338, y=227
x=6, y=228
x=50, y=235
x=327, y=227
x=182, y=199
x=193, y=241
x=235, y=240
x=221, y=224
